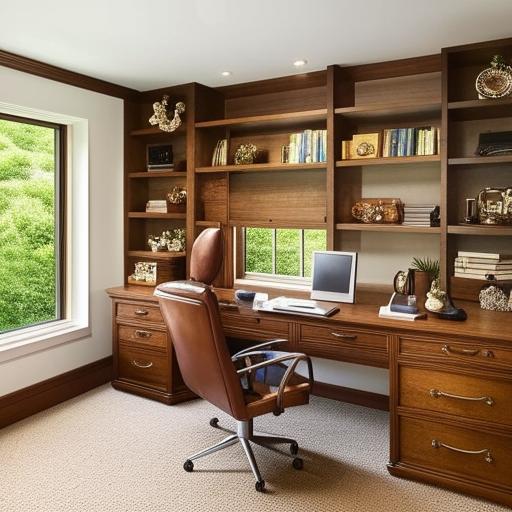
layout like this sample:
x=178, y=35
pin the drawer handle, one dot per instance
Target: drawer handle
x=141, y=312
x=344, y=336
x=228, y=305
x=142, y=334
x=486, y=451
x=142, y=364
x=436, y=393
x=460, y=351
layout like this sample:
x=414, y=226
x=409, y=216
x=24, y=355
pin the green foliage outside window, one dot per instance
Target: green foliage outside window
x=27, y=225
x=259, y=250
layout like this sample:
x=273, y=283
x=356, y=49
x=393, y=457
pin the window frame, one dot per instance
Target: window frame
x=241, y=274
x=60, y=208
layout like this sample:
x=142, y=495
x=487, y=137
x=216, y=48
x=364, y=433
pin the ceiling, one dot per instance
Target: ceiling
x=147, y=45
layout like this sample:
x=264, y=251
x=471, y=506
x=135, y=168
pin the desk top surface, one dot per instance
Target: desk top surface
x=484, y=325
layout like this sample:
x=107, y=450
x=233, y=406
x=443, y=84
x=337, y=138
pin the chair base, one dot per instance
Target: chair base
x=245, y=435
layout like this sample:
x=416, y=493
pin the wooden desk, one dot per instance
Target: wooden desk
x=450, y=382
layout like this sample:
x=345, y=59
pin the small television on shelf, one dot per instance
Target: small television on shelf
x=334, y=276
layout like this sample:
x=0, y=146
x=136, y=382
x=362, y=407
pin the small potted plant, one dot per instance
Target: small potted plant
x=176, y=240
x=426, y=271
x=177, y=200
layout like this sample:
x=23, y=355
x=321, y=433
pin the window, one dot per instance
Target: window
x=31, y=222
x=281, y=253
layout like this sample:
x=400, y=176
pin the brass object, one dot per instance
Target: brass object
x=495, y=206
x=161, y=115
x=246, y=154
x=446, y=349
x=378, y=211
x=488, y=457
x=436, y=393
x=142, y=364
x=365, y=149
x=496, y=81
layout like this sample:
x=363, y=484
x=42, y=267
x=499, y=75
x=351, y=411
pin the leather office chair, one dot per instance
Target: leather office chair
x=250, y=383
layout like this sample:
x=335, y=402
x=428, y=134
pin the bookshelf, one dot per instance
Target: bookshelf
x=436, y=90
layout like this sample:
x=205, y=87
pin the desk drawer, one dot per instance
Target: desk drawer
x=140, y=311
x=143, y=367
x=464, y=396
x=458, y=352
x=142, y=336
x=345, y=344
x=440, y=447
x=252, y=327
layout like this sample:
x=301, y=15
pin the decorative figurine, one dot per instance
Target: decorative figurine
x=435, y=298
x=246, y=154
x=493, y=297
x=161, y=115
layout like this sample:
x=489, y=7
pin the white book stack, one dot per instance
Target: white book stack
x=156, y=206
x=418, y=214
x=477, y=265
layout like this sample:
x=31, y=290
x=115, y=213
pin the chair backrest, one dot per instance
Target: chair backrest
x=192, y=316
x=206, y=256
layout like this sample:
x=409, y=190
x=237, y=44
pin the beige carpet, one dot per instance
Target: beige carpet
x=108, y=451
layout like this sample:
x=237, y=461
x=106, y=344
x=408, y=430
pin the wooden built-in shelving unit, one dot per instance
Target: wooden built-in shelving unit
x=436, y=90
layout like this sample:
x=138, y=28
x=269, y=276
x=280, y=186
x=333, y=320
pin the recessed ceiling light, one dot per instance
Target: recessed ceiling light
x=226, y=73
x=299, y=63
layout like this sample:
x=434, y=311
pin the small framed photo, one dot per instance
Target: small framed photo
x=159, y=157
x=365, y=145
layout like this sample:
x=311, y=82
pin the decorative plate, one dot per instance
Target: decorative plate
x=496, y=81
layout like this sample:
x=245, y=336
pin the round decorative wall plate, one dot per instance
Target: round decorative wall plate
x=496, y=81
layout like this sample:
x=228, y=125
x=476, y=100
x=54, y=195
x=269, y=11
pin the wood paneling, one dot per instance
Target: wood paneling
x=279, y=197
x=46, y=394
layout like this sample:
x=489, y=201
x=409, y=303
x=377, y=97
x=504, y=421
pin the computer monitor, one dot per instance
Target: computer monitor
x=334, y=276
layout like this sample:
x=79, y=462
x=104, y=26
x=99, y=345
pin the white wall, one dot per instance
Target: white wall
x=105, y=118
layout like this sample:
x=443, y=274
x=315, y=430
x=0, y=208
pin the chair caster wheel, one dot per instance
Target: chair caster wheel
x=260, y=486
x=188, y=466
x=294, y=448
x=298, y=463
x=214, y=422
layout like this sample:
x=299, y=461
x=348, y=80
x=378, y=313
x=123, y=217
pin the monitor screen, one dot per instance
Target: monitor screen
x=334, y=276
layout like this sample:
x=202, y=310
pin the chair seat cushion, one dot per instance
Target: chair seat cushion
x=262, y=399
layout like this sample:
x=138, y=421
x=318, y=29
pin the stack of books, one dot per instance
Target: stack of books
x=156, y=206
x=220, y=153
x=417, y=214
x=307, y=147
x=476, y=265
x=410, y=141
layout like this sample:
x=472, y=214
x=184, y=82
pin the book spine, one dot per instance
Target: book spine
x=394, y=142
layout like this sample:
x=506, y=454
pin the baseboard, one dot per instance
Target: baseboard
x=352, y=396
x=46, y=394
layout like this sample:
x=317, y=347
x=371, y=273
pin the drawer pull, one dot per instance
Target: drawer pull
x=142, y=334
x=344, y=336
x=436, y=393
x=142, y=364
x=486, y=451
x=460, y=351
x=141, y=312
x=228, y=305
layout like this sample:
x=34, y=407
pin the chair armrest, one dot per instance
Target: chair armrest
x=295, y=357
x=269, y=343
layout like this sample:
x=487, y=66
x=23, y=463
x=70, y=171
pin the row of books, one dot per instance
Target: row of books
x=156, y=206
x=418, y=214
x=477, y=265
x=220, y=153
x=308, y=146
x=410, y=141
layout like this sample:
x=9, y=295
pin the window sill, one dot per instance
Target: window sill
x=33, y=339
